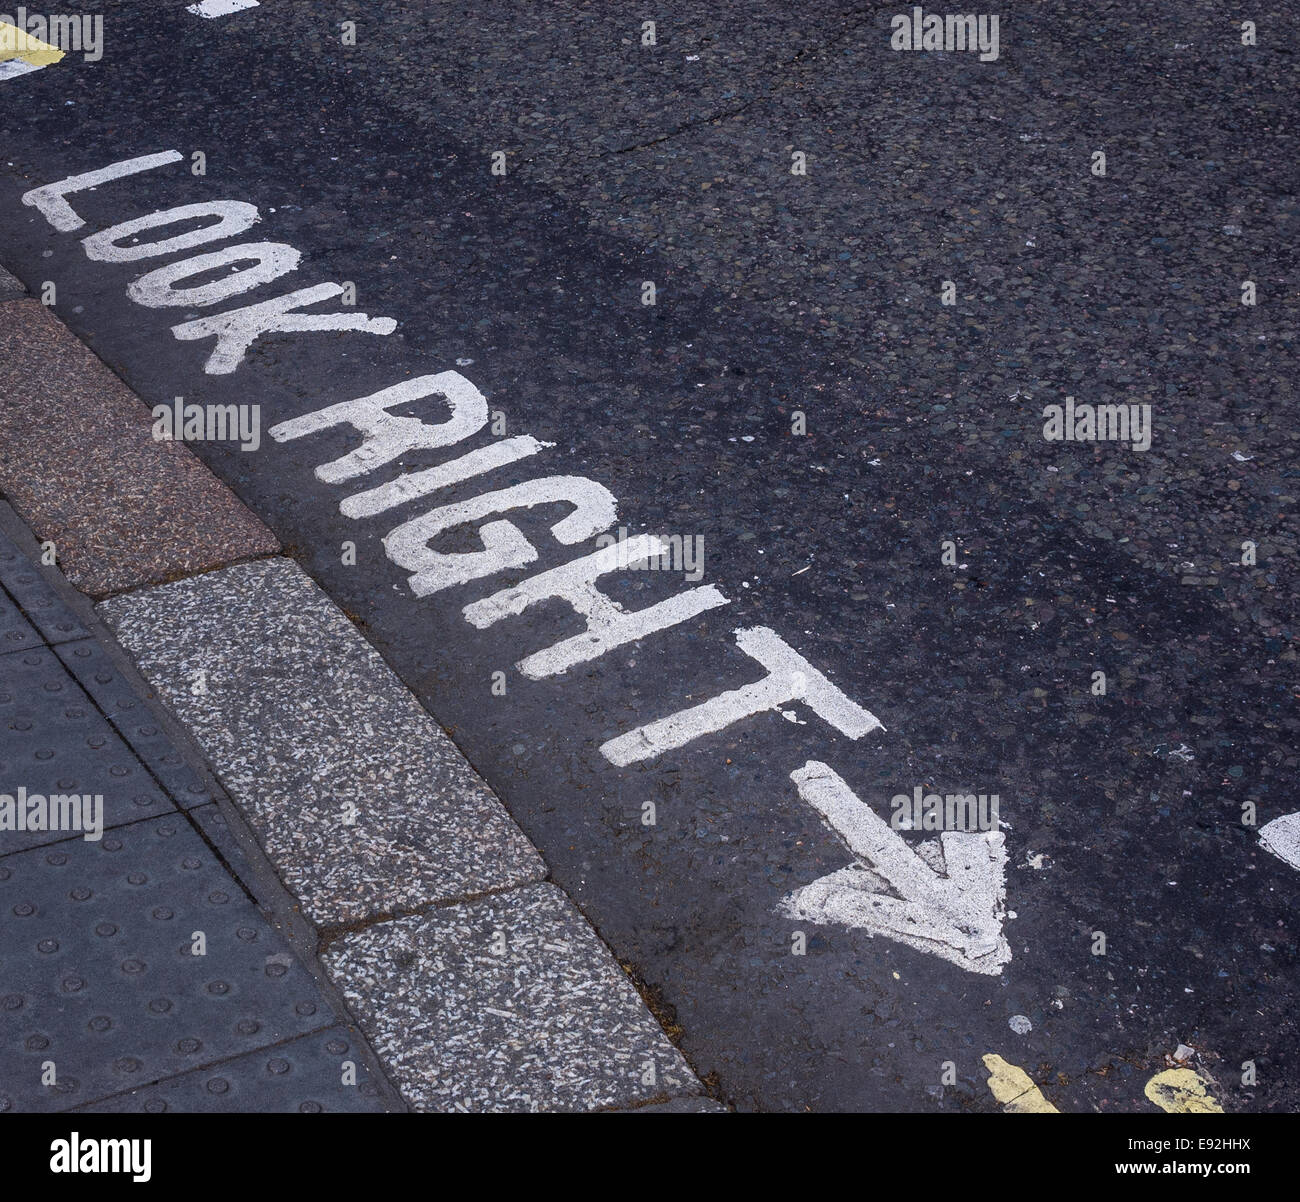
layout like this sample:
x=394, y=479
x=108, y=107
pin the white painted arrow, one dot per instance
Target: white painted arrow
x=949, y=894
x=1282, y=838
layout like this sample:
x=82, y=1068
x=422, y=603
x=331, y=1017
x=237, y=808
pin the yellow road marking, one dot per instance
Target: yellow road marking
x=1013, y=1088
x=15, y=43
x=1181, y=1091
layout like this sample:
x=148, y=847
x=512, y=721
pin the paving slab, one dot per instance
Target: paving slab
x=78, y=460
x=54, y=741
x=26, y=586
x=216, y=830
x=93, y=668
x=16, y=632
x=99, y=972
x=362, y=803
x=305, y=1075
x=510, y=1003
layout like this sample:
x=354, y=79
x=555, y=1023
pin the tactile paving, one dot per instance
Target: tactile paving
x=99, y=976
x=212, y=822
x=22, y=579
x=16, y=632
x=214, y=828
x=96, y=673
x=54, y=740
x=306, y=1076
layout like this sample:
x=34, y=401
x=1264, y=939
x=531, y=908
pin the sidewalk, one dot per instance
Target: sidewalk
x=297, y=866
x=138, y=970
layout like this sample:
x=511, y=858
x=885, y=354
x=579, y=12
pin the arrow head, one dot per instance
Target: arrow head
x=946, y=897
x=1282, y=838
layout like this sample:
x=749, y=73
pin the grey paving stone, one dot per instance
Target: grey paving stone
x=550, y=1023
x=16, y=632
x=212, y=825
x=100, y=976
x=306, y=726
x=90, y=664
x=10, y=288
x=305, y=1076
x=54, y=741
x=42, y=606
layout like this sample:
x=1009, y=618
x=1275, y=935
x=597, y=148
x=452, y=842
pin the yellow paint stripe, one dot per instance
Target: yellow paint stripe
x=1181, y=1091
x=1013, y=1088
x=14, y=43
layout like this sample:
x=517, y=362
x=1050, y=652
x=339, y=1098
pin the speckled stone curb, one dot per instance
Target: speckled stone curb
x=10, y=288
x=510, y=1003
x=362, y=804
x=79, y=462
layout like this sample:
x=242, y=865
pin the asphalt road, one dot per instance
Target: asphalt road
x=779, y=294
